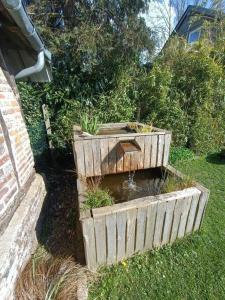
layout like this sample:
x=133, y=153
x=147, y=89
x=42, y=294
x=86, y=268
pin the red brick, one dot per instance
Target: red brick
x=5, y=180
x=4, y=159
x=3, y=192
x=9, y=196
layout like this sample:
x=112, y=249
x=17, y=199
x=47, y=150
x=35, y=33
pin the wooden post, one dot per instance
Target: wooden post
x=48, y=130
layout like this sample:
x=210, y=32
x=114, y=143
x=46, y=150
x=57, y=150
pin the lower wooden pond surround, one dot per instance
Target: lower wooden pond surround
x=116, y=232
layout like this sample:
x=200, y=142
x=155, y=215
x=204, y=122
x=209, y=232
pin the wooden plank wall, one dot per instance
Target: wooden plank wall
x=97, y=156
x=119, y=231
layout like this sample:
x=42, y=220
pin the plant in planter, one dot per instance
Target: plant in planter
x=89, y=124
x=174, y=183
x=97, y=198
x=140, y=129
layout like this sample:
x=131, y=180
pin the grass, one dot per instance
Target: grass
x=193, y=268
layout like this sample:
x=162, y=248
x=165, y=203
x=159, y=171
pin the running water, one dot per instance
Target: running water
x=128, y=186
x=131, y=183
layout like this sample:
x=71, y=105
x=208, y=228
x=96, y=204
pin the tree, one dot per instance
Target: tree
x=96, y=47
x=160, y=17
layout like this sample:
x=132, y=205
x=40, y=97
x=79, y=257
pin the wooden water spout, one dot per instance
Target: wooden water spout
x=129, y=146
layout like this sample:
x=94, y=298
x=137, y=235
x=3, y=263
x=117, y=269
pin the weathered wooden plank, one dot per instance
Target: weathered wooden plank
x=140, y=154
x=134, y=161
x=147, y=154
x=166, y=149
x=84, y=212
x=131, y=227
x=159, y=224
x=104, y=156
x=88, y=158
x=126, y=162
x=112, y=155
x=81, y=188
x=100, y=239
x=160, y=150
x=168, y=221
x=80, y=162
x=200, y=210
x=157, y=185
x=119, y=158
x=111, y=238
x=145, y=201
x=154, y=147
x=121, y=219
x=192, y=213
x=96, y=157
x=124, y=135
x=176, y=219
x=89, y=243
x=141, y=226
x=150, y=226
x=184, y=215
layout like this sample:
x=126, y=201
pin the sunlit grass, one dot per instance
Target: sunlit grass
x=193, y=268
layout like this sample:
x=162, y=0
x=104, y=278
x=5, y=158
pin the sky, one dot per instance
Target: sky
x=161, y=18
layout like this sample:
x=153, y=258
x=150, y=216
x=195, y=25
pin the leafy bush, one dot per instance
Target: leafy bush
x=184, y=92
x=97, y=71
x=180, y=154
x=31, y=104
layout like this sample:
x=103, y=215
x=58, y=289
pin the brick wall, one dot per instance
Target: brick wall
x=16, y=158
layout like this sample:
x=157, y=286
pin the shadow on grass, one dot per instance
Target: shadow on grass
x=216, y=158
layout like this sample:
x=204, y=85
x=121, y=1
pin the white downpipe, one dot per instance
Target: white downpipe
x=34, y=69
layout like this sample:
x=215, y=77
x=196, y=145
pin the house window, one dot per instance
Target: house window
x=194, y=35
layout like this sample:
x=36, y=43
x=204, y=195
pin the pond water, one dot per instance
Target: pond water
x=113, y=130
x=128, y=186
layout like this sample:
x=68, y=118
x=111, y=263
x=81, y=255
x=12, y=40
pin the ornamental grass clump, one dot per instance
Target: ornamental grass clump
x=98, y=198
x=49, y=278
x=173, y=184
x=89, y=123
x=95, y=195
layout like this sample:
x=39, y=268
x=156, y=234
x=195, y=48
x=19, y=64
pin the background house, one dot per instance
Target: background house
x=191, y=23
x=23, y=55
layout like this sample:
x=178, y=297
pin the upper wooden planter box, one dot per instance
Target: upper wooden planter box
x=117, y=149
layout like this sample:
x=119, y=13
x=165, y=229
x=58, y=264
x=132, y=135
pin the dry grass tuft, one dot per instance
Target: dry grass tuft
x=48, y=278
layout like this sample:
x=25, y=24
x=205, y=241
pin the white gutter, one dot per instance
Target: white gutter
x=19, y=15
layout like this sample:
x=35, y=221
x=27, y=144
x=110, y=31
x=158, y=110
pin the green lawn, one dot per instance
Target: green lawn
x=193, y=268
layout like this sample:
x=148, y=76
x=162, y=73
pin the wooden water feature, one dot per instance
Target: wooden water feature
x=142, y=220
x=108, y=153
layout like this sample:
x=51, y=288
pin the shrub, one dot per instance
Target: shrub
x=32, y=111
x=184, y=92
x=180, y=154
